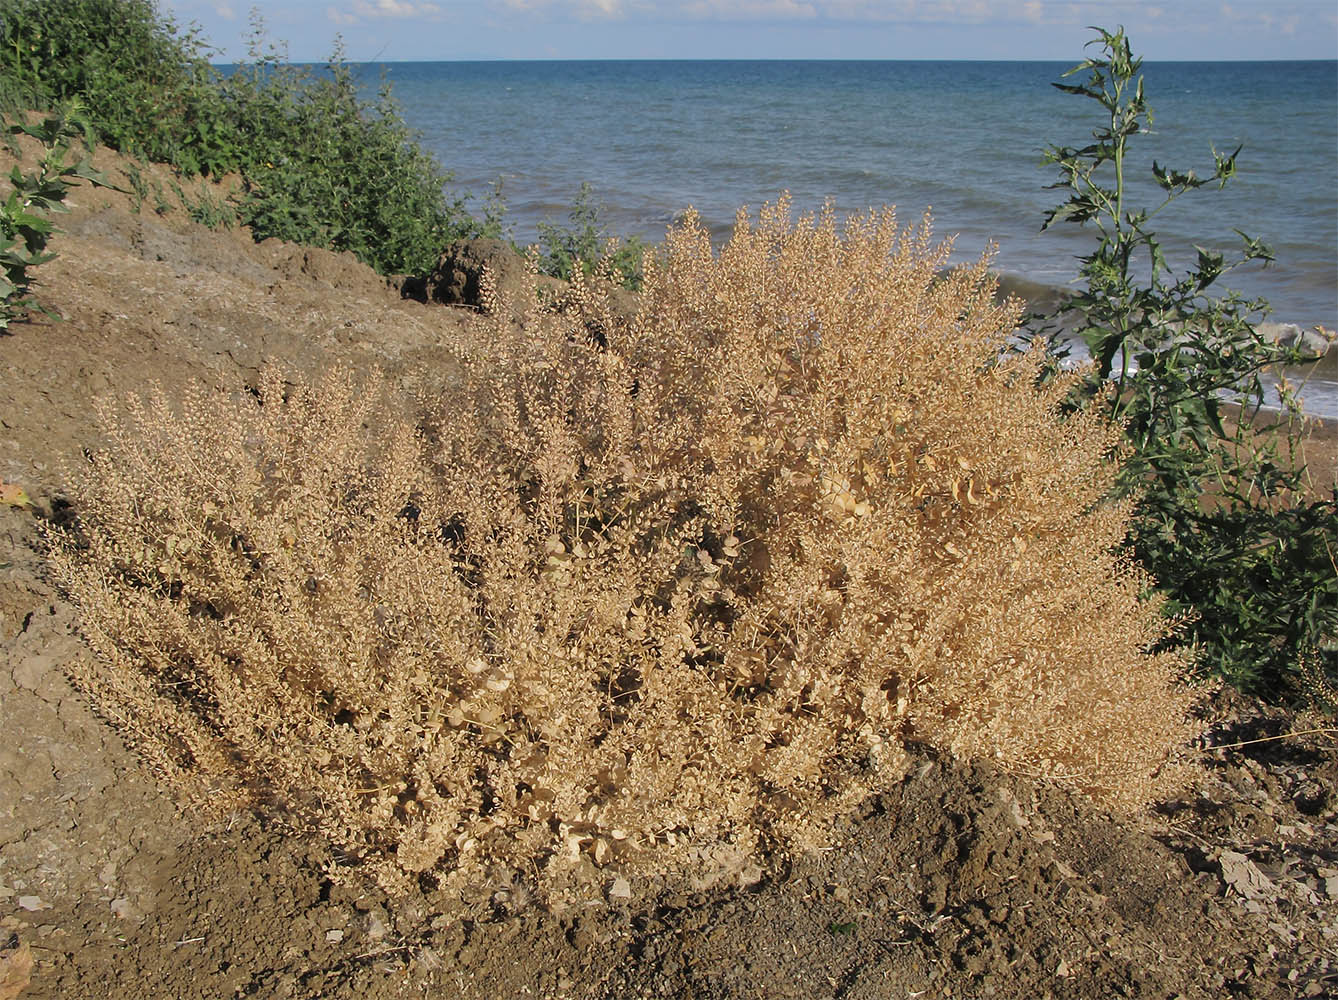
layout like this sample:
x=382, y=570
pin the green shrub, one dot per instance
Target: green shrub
x=1222, y=522
x=25, y=215
x=320, y=165
x=585, y=241
x=326, y=168
x=651, y=604
x=145, y=83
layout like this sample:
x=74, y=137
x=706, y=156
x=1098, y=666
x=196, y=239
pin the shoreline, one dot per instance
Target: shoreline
x=1045, y=297
x=1318, y=379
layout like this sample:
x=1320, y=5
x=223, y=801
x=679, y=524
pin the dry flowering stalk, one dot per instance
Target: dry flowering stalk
x=654, y=593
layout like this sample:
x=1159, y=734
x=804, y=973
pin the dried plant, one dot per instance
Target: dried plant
x=655, y=594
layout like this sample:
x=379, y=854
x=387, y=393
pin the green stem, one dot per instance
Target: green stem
x=1122, y=318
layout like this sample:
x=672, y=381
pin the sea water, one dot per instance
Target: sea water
x=965, y=139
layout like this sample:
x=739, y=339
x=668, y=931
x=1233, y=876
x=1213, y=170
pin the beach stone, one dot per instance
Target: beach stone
x=1314, y=343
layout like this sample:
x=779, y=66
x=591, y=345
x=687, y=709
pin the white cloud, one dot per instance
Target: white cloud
x=363, y=10
x=959, y=11
x=394, y=8
x=749, y=9
x=225, y=11
x=690, y=10
x=584, y=10
x=1286, y=16
x=938, y=11
x=1283, y=18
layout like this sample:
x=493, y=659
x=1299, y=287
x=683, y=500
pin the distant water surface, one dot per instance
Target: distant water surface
x=963, y=137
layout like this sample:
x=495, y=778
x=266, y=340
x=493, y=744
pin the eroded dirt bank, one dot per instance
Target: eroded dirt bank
x=963, y=881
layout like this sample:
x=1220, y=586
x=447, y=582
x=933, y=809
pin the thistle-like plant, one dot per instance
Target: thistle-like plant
x=1247, y=565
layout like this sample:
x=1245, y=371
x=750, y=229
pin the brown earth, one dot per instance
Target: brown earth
x=964, y=881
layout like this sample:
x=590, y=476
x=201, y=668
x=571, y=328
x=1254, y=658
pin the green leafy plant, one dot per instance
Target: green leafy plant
x=494, y=224
x=205, y=207
x=25, y=215
x=1245, y=561
x=330, y=170
x=584, y=241
x=320, y=164
x=139, y=186
x=146, y=83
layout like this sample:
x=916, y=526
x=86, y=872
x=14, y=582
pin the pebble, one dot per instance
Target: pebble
x=33, y=903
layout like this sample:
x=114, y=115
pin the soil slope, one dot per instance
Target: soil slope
x=964, y=881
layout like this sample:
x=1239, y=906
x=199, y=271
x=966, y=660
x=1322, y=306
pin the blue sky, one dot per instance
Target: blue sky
x=768, y=29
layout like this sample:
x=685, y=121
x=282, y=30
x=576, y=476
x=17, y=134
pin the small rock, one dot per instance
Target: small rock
x=121, y=908
x=1331, y=886
x=1013, y=809
x=334, y=936
x=31, y=670
x=376, y=928
x=16, y=969
x=1244, y=876
x=621, y=889
x=33, y=903
x=1314, y=343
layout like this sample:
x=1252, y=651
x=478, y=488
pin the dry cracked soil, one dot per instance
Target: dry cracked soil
x=964, y=881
